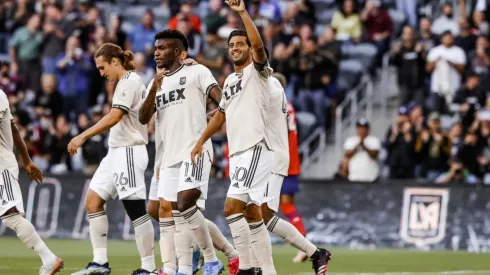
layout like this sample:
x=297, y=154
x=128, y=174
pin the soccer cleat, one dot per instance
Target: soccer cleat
x=160, y=272
x=95, y=269
x=257, y=270
x=51, y=269
x=320, y=260
x=143, y=272
x=213, y=268
x=246, y=272
x=300, y=257
x=233, y=265
x=196, y=261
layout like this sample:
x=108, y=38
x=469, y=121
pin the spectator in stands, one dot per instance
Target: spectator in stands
x=379, y=26
x=186, y=12
x=469, y=99
x=17, y=14
x=361, y=152
x=347, y=23
x=11, y=84
x=116, y=34
x=465, y=40
x=94, y=149
x=25, y=48
x=427, y=38
x=215, y=53
x=457, y=174
x=446, y=62
x=269, y=10
x=74, y=67
x=216, y=16
x=456, y=137
x=408, y=57
x=100, y=38
x=56, y=30
x=232, y=23
x=49, y=97
x=142, y=36
x=329, y=47
x=60, y=161
x=316, y=76
x=446, y=22
x=479, y=60
x=42, y=138
x=146, y=73
x=434, y=148
x=194, y=39
x=400, y=144
x=481, y=23
x=87, y=27
x=471, y=153
x=306, y=12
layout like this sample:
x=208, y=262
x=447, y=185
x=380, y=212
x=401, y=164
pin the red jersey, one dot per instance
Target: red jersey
x=294, y=162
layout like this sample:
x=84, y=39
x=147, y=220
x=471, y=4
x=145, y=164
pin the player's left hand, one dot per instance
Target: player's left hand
x=196, y=152
x=74, y=144
x=189, y=62
x=34, y=172
x=236, y=5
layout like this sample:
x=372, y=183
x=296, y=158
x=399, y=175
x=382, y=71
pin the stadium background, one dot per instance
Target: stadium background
x=325, y=48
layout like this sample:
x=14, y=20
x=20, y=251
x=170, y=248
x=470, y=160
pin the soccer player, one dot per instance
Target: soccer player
x=180, y=105
x=244, y=107
x=121, y=172
x=277, y=131
x=11, y=203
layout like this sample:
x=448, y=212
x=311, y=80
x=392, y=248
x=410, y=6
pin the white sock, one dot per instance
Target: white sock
x=241, y=238
x=199, y=228
x=184, y=243
x=253, y=259
x=291, y=235
x=99, y=227
x=262, y=247
x=167, y=245
x=220, y=242
x=27, y=234
x=145, y=241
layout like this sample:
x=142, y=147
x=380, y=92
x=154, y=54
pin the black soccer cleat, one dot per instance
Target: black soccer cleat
x=257, y=270
x=320, y=260
x=246, y=272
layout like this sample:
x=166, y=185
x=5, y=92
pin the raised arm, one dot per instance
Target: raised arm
x=148, y=108
x=259, y=55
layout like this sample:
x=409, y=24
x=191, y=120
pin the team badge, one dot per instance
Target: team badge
x=182, y=80
x=424, y=215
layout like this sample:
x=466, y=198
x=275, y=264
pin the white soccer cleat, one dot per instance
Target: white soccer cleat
x=300, y=257
x=51, y=269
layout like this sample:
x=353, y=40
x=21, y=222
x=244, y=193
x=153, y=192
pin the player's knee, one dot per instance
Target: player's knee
x=187, y=199
x=165, y=210
x=134, y=208
x=233, y=206
x=248, y=213
x=93, y=202
x=184, y=205
x=254, y=213
x=153, y=209
x=267, y=213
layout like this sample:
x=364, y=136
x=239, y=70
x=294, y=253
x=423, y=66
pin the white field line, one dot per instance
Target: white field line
x=458, y=272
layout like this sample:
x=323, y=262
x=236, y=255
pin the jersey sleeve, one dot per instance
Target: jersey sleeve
x=124, y=95
x=264, y=69
x=206, y=80
x=5, y=114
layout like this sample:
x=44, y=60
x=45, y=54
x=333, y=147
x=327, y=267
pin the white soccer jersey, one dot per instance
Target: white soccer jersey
x=277, y=127
x=245, y=101
x=181, y=111
x=158, y=146
x=129, y=96
x=7, y=157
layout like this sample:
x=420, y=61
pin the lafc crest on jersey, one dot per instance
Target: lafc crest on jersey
x=182, y=80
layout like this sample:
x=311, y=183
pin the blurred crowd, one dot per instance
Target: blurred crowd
x=442, y=132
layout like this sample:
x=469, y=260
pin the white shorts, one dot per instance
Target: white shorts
x=122, y=172
x=185, y=176
x=249, y=173
x=10, y=193
x=153, y=195
x=273, y=191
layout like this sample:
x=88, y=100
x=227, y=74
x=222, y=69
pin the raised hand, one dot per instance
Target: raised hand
x=34, y=172
x=236, y=5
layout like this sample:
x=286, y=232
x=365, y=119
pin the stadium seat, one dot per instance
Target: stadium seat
x=350, y=72
x=363, y=52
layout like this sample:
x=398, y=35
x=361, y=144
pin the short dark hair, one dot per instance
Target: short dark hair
x=173, y=34
x=239, y=32
x=266, y=52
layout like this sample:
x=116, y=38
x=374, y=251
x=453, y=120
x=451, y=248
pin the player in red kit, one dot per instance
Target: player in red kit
x=290, y=186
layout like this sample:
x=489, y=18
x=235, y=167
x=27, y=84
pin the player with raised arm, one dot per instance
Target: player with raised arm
x=277, y=131
x=122, y=170
x=11, y=203
x=180, y=105
x=244, y=107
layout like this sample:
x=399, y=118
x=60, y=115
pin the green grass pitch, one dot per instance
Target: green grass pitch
x=15, y=259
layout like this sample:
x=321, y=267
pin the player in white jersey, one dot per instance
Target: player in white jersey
x=121, y=172
x=277, y=131
x=180, y=106
x=244, y=107
x=11, y=203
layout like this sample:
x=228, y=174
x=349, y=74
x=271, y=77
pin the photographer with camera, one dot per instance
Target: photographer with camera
x=457, y=174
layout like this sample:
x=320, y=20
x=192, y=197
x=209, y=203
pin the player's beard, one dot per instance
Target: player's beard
x=243, y=60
